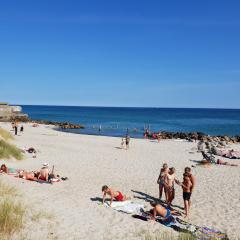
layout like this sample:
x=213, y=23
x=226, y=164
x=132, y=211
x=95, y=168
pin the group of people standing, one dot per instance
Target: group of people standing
x=167, y=179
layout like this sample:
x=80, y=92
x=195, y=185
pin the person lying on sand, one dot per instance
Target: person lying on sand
x=27, y=175
x=218, y=162
x=31, y=150
x=118, y=196
x=8, y=170
x=159, y=210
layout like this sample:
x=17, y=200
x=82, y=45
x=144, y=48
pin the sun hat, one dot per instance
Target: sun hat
x=45, y=165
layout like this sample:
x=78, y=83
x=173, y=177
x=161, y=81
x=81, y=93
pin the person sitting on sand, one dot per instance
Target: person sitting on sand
x=44, y=172
x=118, y=196
x=164, y=170
x=186, y=186
x=159, y=210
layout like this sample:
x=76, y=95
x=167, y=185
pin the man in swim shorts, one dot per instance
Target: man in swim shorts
x=187, y=171
x=159, y=210
x=118, y=196
x=186, y=186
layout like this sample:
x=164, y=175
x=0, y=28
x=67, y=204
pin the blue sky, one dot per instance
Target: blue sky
x=120, y=53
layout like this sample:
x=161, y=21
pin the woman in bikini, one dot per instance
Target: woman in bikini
x=170, y=178
x=164, y=170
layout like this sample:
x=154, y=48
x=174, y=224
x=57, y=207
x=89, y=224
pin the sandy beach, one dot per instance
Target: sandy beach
x=92, y=161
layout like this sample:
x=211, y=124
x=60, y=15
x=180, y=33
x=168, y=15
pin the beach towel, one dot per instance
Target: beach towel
x=200, y=233
x=125, y=206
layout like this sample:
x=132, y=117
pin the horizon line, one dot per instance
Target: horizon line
x=92, y=106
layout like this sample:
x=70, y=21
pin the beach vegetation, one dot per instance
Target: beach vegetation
x=160, y=235
x=6, y=190
x=12, y=211
x=37, y=216
x=8, y=150
x=11, y=216
x=5, y=134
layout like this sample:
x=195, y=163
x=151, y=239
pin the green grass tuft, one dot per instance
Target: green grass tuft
x=5, y=134
x=11, y=216
x=159, y=235
x=8, y=150
x=6, y=190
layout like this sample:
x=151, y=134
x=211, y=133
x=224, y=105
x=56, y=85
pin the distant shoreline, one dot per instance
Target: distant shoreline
x=128, y=107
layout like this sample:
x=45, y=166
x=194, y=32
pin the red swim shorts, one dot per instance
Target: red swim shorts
x=119, y=197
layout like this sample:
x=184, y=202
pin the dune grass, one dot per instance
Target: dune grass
x=11, y=216
x=159, y=235
x=12, y=211
x=7, y=191
x=5, y=134
x=8, y=150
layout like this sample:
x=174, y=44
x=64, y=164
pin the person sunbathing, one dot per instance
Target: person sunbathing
x=8, y=170
x=27, y=175
x=4, y=168
x=159, y=210
x=220, y=162
x=118, y=196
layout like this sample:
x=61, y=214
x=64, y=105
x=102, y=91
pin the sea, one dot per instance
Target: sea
x=117, y=121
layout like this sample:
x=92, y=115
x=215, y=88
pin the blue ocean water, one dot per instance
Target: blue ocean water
x=115, y=121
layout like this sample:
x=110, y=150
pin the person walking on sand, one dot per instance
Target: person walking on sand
x=186, y=186
x=187, y=171
x=118, y=196
x=16, y=128
x=127, y=140
x=161, y=179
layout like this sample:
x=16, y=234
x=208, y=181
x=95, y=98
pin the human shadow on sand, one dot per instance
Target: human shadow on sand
x=148, y=198
x=96, y=199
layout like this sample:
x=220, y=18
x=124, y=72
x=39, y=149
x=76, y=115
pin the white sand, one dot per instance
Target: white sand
x=90, y=162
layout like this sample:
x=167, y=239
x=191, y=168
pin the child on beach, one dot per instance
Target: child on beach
x=186, y=186
x=118, y=196
x=161, y=179
x=122, y=143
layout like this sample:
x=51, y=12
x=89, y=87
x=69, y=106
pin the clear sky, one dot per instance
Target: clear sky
x=120, y=53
